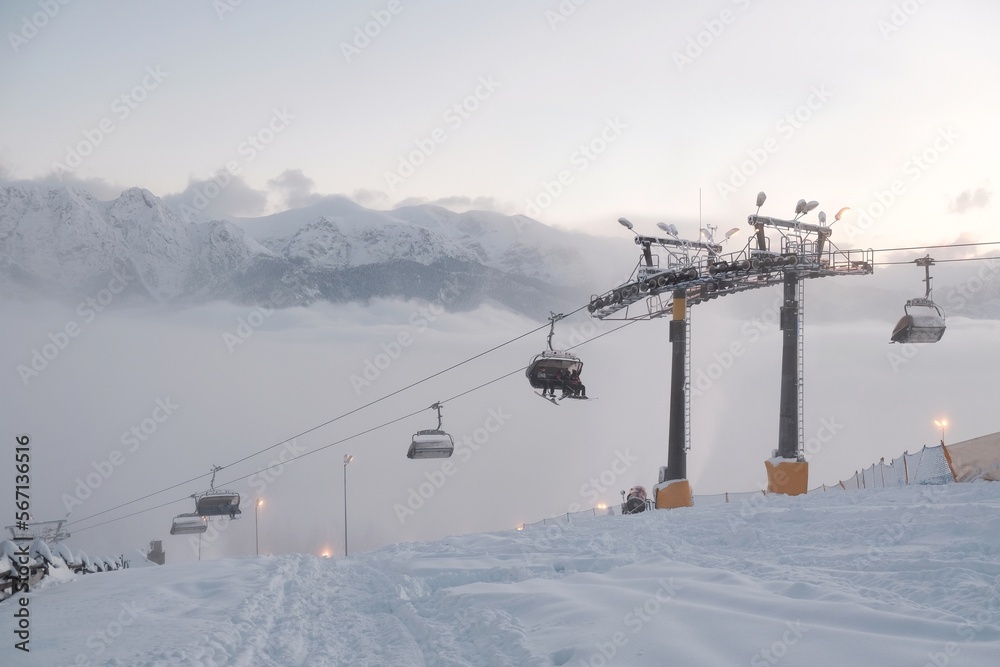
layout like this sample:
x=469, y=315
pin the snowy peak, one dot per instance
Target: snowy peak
x=514, y=244
x=65, y=241
x=55, y=237
x=157, y=242
x=336, y=243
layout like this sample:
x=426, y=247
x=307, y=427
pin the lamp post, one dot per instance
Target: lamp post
x=941, y=424
x=256, y=531
x=347, y=459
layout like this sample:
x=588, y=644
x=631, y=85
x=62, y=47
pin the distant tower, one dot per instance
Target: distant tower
x=156, y=554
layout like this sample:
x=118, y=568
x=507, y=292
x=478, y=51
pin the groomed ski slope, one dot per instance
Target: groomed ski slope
x=907, y=576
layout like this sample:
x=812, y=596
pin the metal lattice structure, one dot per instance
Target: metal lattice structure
x=697, y=271
x=704, y=273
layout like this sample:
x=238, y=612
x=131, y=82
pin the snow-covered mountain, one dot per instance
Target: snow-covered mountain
x=65, y=242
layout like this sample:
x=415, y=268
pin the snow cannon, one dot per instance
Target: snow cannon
x=635, y=500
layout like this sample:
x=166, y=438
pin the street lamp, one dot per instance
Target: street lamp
x=256, y=531
x=347, y=459
x=941, y=424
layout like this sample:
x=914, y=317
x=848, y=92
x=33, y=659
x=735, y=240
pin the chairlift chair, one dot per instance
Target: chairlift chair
x=548, y=364
x=923, y=320
x=217, y=502
x=189, y=524
x=431, y=443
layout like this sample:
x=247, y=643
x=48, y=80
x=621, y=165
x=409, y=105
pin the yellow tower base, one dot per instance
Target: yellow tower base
x=673, y=494
x=787, y=476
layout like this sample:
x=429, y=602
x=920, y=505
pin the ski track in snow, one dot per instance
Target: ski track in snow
x=895, y=577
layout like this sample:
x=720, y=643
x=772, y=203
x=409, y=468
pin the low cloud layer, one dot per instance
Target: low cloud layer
x=252, y=378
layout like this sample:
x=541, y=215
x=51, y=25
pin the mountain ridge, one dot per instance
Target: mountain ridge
x=65, y=242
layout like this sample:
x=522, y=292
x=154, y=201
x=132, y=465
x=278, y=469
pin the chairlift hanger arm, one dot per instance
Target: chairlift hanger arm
x=926, y=261
x=553, y=318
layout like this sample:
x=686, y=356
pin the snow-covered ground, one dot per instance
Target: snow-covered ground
x=906, y=576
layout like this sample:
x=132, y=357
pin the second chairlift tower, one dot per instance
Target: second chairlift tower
x=697, y=272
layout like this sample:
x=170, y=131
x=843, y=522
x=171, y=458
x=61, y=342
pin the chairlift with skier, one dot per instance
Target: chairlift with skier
x=554, y=369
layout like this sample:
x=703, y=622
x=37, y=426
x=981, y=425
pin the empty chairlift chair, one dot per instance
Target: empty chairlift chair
x=923, y=320
x=189, y=524
x=217, y=502
x=431, y=443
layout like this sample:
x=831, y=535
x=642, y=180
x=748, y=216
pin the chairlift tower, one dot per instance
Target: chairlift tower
x=697, y=271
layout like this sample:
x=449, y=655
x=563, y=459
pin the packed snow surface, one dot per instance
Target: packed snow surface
x=905, y=576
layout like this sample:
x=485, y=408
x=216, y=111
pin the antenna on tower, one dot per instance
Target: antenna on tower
x=699, y=211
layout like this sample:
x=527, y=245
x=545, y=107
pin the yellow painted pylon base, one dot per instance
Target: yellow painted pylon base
x=672, y=494
x=788, y=477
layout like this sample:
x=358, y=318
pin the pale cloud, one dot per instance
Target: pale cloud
x=970, y=199
x=100, y=188
x=296, y=188
x=220, y=197
x=457, y=203
x=370, y=198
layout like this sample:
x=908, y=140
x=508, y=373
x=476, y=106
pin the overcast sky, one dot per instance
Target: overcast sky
x=620, y=108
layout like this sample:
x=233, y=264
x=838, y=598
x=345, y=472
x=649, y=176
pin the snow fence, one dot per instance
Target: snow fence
x=967, y=461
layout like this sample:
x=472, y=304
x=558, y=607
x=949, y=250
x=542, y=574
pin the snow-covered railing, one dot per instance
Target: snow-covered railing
x=39, y=560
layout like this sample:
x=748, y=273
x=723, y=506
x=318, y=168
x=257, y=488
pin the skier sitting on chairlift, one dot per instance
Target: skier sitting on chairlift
x=573, y=387
x=556, y=380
